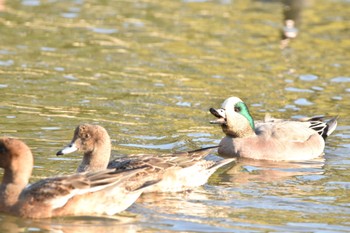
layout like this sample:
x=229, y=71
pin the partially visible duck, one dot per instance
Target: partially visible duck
x=176, y=172
x=272, y=139
x=108, y=191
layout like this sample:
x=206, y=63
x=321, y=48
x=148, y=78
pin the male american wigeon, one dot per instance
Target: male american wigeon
x=108, y=191
x=176, y=172
x=272, y=139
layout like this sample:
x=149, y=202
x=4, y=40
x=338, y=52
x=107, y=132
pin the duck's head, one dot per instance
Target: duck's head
x=11, y=150
x=17, y=160
x=234, y=118
x=87, y=138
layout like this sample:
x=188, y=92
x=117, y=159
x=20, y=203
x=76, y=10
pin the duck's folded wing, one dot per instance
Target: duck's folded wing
x=57, y=191
x=161, y=161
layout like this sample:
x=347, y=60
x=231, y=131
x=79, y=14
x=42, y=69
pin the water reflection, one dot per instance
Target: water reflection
x=118, y=223
x=249, y=170
x=170, y=203
x=182, y=211
x=136, y=67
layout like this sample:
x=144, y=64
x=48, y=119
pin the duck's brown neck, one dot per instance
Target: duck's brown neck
x=96, y=159
x=14, y=181
x=238, y=131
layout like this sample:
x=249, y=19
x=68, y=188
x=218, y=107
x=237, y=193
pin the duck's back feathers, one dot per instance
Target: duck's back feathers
x=331, y=125
x=161, y=161
x=218, y=164
x=176, y=172
x=322, y=127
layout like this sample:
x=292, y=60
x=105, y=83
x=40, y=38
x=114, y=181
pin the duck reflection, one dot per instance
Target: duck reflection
x=2, y=5
x=117, y=223
x=181, y=203
x=291, y=20
x=249, y=170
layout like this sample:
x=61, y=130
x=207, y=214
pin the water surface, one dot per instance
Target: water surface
x=148, y=71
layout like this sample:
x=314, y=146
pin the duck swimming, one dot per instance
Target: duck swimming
x=108, y=191
x=271, y=139
x=176, y=172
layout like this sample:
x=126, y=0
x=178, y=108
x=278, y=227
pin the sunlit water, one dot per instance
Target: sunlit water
x=148, y=71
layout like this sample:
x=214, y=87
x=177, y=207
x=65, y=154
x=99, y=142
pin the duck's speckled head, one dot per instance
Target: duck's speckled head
x=86, y=138
x=234, y=118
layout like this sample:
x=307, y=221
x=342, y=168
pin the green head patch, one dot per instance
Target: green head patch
x=242, y=109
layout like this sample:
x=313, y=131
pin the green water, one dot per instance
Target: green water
x=148, y=71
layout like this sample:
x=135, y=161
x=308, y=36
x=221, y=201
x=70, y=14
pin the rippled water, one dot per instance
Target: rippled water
x=148, y=71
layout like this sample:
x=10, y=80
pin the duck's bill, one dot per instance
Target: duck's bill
x=220, y=114
x=67, y=150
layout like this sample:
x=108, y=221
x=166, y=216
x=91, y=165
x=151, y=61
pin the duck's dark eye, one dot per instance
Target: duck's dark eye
x=237, y=109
